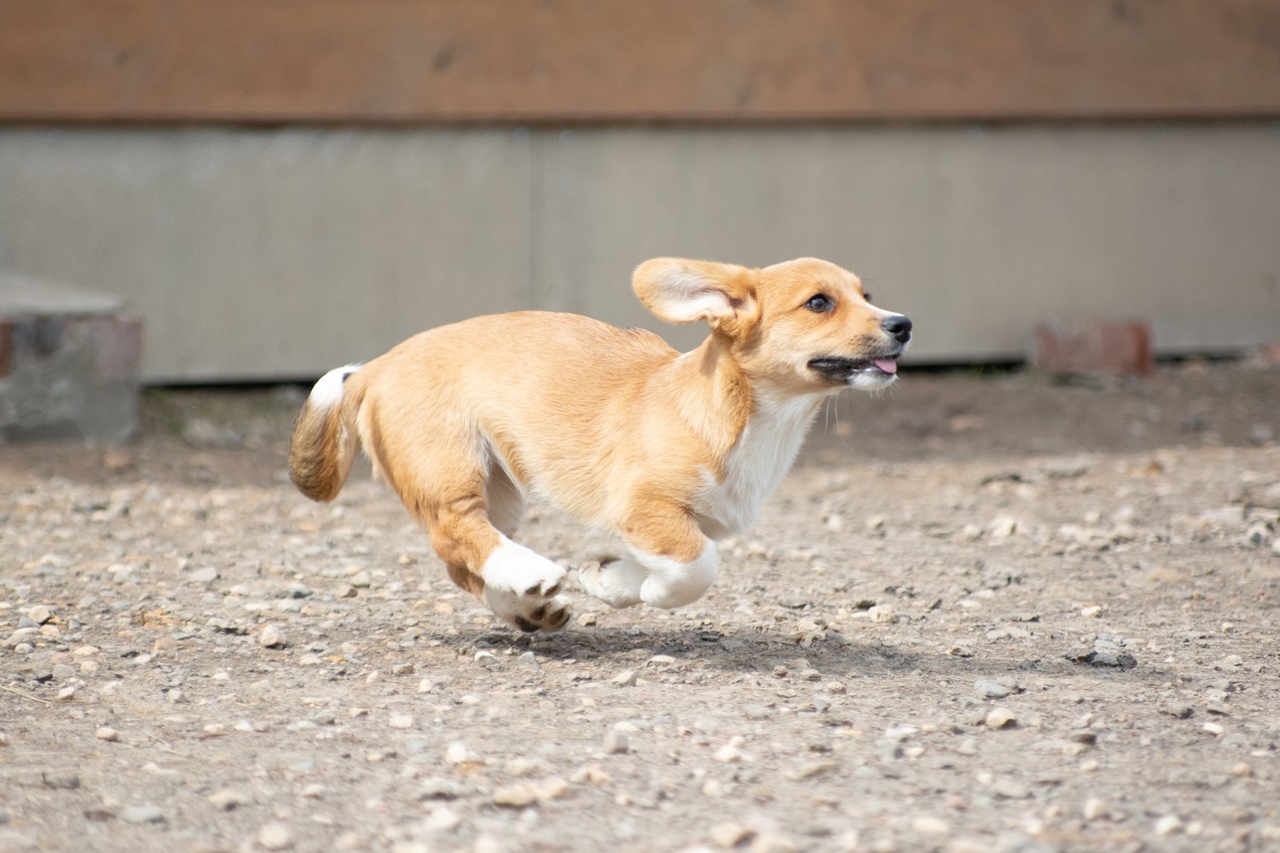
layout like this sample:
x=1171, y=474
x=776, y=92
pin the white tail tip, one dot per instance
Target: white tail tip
x=328, y=391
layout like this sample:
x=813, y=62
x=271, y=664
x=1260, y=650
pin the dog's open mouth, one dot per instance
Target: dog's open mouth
x=844, y=369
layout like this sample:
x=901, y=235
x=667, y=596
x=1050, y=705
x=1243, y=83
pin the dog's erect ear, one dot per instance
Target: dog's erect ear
x=681, y=291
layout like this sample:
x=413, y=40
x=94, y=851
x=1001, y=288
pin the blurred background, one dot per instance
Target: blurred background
x=277, y=187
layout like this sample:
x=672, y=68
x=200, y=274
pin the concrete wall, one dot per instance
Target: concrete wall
x=278, y=253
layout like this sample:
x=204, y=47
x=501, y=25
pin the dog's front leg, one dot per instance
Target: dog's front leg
x=669, y=566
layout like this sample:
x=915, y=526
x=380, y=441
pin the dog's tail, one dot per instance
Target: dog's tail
x=325, y=437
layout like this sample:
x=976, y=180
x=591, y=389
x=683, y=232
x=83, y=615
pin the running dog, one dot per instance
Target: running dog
x=672, y=451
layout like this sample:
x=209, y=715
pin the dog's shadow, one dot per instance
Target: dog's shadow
x=745, y=651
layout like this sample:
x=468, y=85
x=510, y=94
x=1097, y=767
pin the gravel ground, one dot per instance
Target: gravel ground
x=983, y=613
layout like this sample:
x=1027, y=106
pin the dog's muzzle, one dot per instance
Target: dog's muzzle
x=846, y=370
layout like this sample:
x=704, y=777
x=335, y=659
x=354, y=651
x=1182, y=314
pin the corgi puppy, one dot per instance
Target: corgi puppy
x=673, y=451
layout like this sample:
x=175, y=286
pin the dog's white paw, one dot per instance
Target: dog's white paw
x=523, y=588
x=615, y=582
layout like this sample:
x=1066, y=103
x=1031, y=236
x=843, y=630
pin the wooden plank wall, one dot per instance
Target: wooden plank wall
x=529, y=61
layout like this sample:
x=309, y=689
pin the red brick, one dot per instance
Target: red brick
x=1094, y=346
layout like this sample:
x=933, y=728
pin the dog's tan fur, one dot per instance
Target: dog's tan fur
x=672, y=451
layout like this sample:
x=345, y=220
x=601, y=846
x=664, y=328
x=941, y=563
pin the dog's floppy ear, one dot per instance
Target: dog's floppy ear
x=681, y=291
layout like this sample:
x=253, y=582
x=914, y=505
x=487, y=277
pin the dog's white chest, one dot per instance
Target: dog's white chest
x=756, y=464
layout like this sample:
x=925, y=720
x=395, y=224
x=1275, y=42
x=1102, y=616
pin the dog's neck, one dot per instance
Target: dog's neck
x=713, y=394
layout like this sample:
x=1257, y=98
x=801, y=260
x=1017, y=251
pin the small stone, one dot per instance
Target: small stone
x=439, y=788
x=528, y=660
x=275, y=836
x=208, y=574
x=1168, y=825
x=1177, y=710
x=930, y=825
x=107, y=733
x=228, y=799
x=1242, y=769
x=615, y=742
x=517, y=796
x=552, y=789
x=400, y=721
x=61, y=781
x=39, y=614
x=271, y=636
x=141, y=814
x=66, y=694
x=626, y=678
x=1008, y=789
x=883, y=613
x=1002, y=527
x=457, y=753
x=990, y=689
x=730, y=835
x=1094, y=809
x=1000, y=718
x=520, y=767
x=813, y=770
x=1093, y=611
x=1214, y=728
x=426, y=685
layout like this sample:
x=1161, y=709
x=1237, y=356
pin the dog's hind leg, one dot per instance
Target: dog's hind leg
x=671, y=564
x=469, y=509
x=518, y=585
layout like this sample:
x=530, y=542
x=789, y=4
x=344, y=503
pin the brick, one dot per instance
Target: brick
x=69, y=363
x=1118, y=347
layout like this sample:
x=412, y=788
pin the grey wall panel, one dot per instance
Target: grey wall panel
x=280, y=253
x=272, y=253
x=977, y=233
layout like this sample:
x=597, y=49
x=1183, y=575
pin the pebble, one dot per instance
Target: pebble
x=990, y=690
x=626, y=678
x=271, y=636
x=39, y=614
x=400, y=721
x=729, y=835
x=615, y=742
x=1168, y=825
x=107, y=733
x=1001, y=718
x=228, y=799
x=528, y=660
x=527, y=794
x=1094, y=809
x=1008, y=789
x=275, y=836
x=813, y=770
x=141, y=814
x=930, y=825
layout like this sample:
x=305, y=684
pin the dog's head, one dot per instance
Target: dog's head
x=805, y=325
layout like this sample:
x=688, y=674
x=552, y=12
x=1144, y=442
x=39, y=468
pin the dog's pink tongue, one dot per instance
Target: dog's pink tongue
x=888, y=365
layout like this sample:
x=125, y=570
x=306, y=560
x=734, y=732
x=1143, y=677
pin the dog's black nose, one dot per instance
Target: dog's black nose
x=899, y=325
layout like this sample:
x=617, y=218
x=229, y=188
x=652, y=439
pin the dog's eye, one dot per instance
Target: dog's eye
x=820, y=304
x=866, y=294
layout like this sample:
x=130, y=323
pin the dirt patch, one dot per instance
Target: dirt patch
x=983, y=613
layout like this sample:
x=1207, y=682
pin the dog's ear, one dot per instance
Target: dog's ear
x=681, y=291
